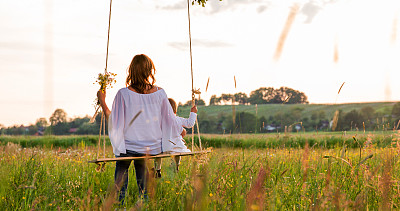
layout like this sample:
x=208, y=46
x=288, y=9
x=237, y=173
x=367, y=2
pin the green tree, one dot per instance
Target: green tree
x=352, y=120
x=226, y=98
x=262, y=95
x=59, y=116
x=222, y=118
x=396, y=110
x=58, y=121
x=268, y=95
x=367, y=113
x=289, y=96
x=214, y=100
x=314, y=115
x=196, y=101
x=367, y=116
x=278, y=119
x=89, y=128
x=244, y=123
x=321, y=115
x=41, y=122
x=295, y=113
x=241, y=98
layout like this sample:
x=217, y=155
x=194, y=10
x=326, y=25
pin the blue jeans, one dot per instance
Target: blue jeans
x=121, y=174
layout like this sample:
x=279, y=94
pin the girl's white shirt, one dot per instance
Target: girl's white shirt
x=176, y=145
x=155, y=125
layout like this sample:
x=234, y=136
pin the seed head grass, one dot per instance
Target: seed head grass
x=316, y=174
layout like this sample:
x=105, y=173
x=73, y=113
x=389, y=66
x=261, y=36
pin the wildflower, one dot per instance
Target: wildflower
x=22, y=197
x=67, y=201
x=211, y=194
x=50, y=204
x=167, y=182
x=254, y=207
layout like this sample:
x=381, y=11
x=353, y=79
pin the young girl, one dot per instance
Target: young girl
x=176, y=145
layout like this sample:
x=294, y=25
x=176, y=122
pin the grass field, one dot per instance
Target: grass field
x=310, y=176
x=325, y=140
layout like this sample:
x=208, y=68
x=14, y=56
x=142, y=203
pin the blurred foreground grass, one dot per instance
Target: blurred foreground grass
x=53, y=178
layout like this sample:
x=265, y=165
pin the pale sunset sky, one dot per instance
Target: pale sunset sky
x=51, y=50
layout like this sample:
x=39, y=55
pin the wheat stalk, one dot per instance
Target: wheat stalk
x=208, y=81
x=340, y=87
x=289, y=21
x=394, y=30
x=335, y=120
x=336, y=53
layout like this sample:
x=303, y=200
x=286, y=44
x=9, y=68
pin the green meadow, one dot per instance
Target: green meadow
x=270, y=109
x=298, y=171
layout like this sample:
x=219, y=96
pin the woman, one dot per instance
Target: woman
x=155, y=123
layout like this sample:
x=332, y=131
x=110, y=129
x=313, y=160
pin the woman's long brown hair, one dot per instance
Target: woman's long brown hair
x=140, y=71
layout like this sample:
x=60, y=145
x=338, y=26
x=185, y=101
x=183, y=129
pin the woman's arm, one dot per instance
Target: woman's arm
x=102, y=99
x=116, y=121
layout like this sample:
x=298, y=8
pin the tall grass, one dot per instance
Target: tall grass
x=51, y=141
x=297, y=140
x=227, y=179
x=327, y=140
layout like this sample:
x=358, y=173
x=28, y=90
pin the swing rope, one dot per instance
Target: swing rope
x=191, y=71
x=108, y=36
x=103, y=118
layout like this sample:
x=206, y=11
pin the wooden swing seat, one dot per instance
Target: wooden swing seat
x=105, y=160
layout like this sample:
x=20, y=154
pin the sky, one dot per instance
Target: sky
x=52, y=51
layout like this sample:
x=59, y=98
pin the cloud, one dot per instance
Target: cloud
x=200, y=43
x=310, y=10
x=262, y=8
x=177, y=6
x=313, y=7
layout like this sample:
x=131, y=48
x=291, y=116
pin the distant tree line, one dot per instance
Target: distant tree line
x=58, y=124
x=366, y=118
x=262, y=95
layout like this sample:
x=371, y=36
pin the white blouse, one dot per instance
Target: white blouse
x=177, y=145
x=155, y=124
x=189, y=122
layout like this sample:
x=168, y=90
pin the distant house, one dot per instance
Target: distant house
x=40, y=131
x=271, y=128
x=73, y=130
x=325, y=124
